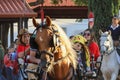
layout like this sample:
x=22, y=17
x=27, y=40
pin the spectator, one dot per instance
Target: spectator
x=17, y=43
x=71, y=38
x=79, y=45
x=1, y=60
x=1, y=55
x=92, y=44
x=34, y=58
x=24, y=46
x=23, y=50
x=9, y=60
x=115, y=30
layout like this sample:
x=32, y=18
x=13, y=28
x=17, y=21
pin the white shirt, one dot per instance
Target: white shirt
x=114, y=27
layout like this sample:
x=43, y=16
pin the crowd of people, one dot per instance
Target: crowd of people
x=87, y=50
x=21, y=52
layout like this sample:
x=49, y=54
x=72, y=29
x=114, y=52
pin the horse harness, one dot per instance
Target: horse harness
x=54, y=43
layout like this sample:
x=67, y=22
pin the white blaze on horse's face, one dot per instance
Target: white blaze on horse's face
x=102, y=46
x=40, y=29
x=41, y=39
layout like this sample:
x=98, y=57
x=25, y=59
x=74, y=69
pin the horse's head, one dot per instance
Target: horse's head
x=55, y=47
x=47, y=38
x=106, y=43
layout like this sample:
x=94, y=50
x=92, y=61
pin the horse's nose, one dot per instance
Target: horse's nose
x=103, y=49
x=102, y=52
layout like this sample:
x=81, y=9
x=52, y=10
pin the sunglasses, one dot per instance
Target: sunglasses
x=86, y=34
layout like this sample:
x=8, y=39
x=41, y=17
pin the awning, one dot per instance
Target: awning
x=15, y=9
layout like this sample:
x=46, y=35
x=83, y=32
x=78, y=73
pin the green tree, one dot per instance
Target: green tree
x=115, y=5
x=103, y=11
x=78, y=2
x=37, y=2
x=81, y=2
x=56, y=1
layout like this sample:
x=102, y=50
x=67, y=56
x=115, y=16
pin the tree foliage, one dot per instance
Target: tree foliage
x=103, y=11
x=78, y=2
x=115, y=5
x=81, y=2
x=56, y=1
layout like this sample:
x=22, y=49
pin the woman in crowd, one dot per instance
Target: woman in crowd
x=92, y=44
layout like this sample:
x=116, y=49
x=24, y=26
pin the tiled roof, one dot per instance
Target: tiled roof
x=48, y=3
x=15, y=9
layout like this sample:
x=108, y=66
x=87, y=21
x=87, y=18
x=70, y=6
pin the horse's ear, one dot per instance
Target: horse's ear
x=35, y=23
x=100, y=32
x=48, y=21
x=109, y=32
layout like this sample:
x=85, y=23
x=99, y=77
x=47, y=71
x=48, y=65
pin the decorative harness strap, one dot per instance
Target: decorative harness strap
x=110, y=51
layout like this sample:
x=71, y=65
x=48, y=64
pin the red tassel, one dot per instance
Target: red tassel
x=42, y=15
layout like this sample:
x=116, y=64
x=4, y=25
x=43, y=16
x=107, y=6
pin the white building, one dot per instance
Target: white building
x=70, y=26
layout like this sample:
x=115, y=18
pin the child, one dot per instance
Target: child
x=79, y=45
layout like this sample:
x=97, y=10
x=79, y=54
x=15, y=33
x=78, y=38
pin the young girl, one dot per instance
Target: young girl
x=79, y=45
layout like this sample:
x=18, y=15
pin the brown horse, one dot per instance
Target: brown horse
x=58, y=58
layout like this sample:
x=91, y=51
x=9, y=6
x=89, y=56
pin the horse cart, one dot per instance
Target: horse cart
x=36, y=72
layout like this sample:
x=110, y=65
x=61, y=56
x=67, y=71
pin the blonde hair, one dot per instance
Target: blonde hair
x=69, y=50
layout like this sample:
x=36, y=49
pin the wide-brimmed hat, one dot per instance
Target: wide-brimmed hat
x=79, y=39
x=23, y=31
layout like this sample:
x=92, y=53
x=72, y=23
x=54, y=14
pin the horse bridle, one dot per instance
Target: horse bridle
x=53, y=51
x=108, y=52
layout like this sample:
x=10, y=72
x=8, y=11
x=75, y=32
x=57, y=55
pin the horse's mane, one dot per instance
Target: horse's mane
x=69, y=50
